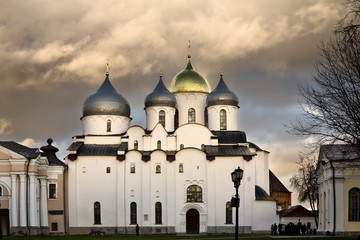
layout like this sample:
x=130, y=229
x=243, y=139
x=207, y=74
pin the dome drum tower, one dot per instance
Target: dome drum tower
x=190, y=89
x=160, y=108
x=105, y=112
x=222, y=108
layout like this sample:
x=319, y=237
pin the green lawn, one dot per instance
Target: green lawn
x=123, y=237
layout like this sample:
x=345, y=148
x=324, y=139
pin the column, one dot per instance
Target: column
x=14, y=203
x=43, y=203
x=32, y=201
x=22, y=200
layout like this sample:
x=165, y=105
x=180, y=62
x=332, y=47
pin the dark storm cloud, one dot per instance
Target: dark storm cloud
x=53, y=55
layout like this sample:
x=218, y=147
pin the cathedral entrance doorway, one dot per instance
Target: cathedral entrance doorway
x=4, y=222
x=192, y=221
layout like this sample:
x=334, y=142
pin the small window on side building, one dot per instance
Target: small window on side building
x=54, y=226
x=52, y=191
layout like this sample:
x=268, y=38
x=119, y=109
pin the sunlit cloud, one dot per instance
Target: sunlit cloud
x=5, y=126
x=29, y=142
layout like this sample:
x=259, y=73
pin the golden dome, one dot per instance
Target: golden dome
x=189, y=80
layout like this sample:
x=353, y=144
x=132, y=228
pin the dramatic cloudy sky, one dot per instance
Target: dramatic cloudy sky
x=53, y=55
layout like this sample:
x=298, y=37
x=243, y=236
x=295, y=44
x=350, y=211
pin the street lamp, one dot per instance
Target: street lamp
x=236, y=177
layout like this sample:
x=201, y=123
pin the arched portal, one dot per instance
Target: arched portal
x=192, y=221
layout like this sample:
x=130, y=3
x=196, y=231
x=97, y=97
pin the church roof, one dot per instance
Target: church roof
x=222, y=95
x=228, y=150
x=160, y=96
x=97, y=149
x=275, y=184
x=261, y=194
x=27, y=152
x=339, y=152
x=189, y=80
x=106, y=101
x=296, y=211
x=228, y=137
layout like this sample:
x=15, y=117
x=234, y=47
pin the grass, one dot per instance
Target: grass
x=171, y=237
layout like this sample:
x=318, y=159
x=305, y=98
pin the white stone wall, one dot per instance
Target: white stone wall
x=231, y=117
x=97, y=124
x=152, y=117
x=185, y=101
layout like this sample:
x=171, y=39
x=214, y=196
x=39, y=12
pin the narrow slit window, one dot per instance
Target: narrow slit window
x=228, y=213
x=97, y=213
x=158, y=168
x=132, y=168
x=158, y=213
x=191, y=116
x=133, y=213
x=136, y=145
x=162, y=117
x=181, y=168
x=223, y=125
x=108, y=126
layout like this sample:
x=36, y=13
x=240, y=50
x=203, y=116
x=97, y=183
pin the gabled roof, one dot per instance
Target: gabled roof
x=261, y=194
x=339, y=152
x=27, y=152
x=231, y=150
x=228, y=137
x=98, y=149
x=296, y=211
x=275, y=184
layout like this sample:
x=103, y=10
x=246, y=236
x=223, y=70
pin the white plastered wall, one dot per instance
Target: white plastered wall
x=185, y=101
x=231, y=117
x=152, y=117
x=97, y=124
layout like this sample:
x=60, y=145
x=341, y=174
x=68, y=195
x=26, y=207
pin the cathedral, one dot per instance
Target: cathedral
x=172, y=176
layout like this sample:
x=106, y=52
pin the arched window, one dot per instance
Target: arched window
x=162, y=117
x=159, y=144
x=108, y=126
x=354, y=204
x=132, y=168
x=181, y=168
x=194, y=193
x=97, y=213
x=133, y=217
x=228, y=213
x=136, y=145
x=191, y=115
x=223, y=119
x=158, y=213
x=158, y=168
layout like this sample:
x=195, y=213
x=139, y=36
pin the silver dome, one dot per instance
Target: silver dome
x=106, y=101
x=222, y=95
x=160, y=96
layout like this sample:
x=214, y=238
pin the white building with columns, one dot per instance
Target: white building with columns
x=31, y=190
x=173, y=176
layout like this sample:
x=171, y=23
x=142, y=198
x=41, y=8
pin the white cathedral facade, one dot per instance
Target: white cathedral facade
x=174, y=175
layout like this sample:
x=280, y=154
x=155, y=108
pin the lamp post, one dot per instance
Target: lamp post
x=236, y=177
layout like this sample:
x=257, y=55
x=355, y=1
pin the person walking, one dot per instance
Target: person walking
x=137, y=229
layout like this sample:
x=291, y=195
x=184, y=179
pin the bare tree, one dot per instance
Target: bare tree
x=331, y=104
x=304, y=181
